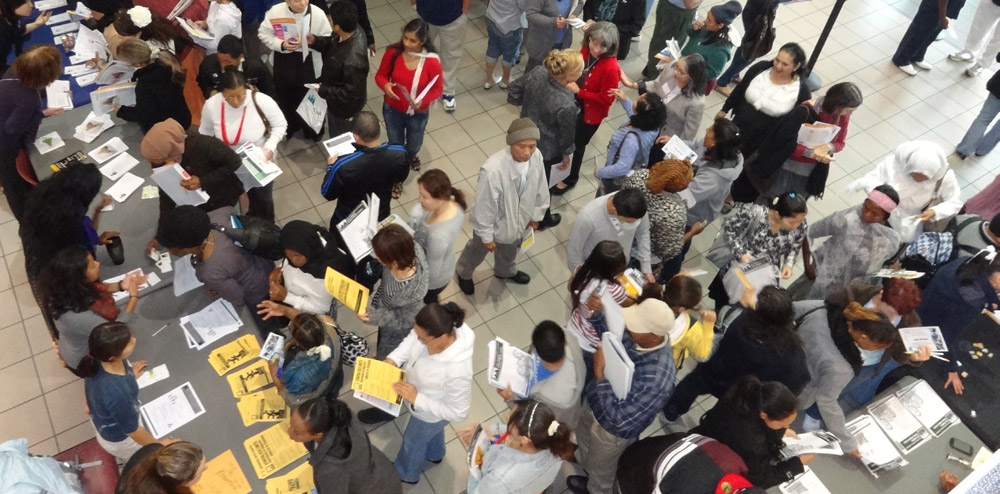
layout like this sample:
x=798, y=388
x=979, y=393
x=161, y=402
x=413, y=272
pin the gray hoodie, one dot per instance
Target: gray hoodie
x=710, y=186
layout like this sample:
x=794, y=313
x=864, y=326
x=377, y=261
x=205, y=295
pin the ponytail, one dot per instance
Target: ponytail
x=327, y=415
x=749, y=397
x=538, y=423
x=107, y=341
x=135, y=50
x=165, y=471
x=439, y=186
x=177, y=72
x=440, y=319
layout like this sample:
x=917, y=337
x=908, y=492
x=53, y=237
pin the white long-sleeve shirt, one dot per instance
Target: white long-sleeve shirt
x=318, y=26
x=253, y=125
x=222, y=19
x=305, y=292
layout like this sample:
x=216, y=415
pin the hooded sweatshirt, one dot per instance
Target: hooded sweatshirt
x=443, y=380
x=923, y=157
x=362, y=470
x=710, y=185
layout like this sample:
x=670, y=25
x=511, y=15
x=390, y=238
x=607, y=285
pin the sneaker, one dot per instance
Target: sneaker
x=449, y=103
x=922, y=65
x=975, y=70
x=487, y=85
x=467, y=286
x=520, y=277
x=961, y=56
x=502, y=85
x=907, y=69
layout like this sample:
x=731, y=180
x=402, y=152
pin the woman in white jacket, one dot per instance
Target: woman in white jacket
x=224, y=17
x=919, y=172
x=437, y=358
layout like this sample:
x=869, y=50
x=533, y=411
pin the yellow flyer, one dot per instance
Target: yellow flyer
x=272, y=450
x=234, y=354
x=263, y=406
x=349, y=292
x=249, y=379
x=222, y=474
x=375, y=378
x=298, y=481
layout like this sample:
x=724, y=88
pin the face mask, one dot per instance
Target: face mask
x=870, y=357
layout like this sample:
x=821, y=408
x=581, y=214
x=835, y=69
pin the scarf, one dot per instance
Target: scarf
x=104, y=305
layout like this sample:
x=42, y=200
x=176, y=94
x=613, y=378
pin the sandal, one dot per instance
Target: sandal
x=397, y=190
x=415, y=164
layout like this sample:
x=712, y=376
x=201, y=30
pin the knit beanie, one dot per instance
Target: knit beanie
x=183, y=227
x=521, y=129
x=163, y=142
x=727, y=12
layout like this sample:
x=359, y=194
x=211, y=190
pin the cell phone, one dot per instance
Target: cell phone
x=960, y=446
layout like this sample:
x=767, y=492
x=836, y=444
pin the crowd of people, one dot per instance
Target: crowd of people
x=821, y=348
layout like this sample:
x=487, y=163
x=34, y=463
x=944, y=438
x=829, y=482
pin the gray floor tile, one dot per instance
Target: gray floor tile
x=14, y=343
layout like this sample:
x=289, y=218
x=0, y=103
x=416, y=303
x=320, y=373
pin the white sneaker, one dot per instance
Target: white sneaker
x=449, y=103
x=974, y=70
x=961, y=56
x=487, y=85
x=908, y=69
x=923, y=65
x=810, y=424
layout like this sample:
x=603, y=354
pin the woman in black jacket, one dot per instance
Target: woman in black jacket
x=159, y=86
x=752, y=418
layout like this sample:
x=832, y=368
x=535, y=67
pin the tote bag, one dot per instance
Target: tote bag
x=312, y=109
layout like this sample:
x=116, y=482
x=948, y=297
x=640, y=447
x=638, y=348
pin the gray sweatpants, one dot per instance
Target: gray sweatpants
x=475, y=252
x=598, y=451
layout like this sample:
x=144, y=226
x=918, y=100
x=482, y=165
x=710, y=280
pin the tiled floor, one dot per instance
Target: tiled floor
x=45, y=403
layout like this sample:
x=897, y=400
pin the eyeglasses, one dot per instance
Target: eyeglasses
x=236, y=97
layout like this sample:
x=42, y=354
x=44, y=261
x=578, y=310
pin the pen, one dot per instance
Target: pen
x=161, y=329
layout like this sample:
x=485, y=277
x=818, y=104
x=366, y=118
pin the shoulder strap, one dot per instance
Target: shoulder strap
x=618, y=151
x=798, y=320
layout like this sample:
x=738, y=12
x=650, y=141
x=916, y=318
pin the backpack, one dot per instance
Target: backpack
x=259, y=236
x=926, y=253
x=759, y=39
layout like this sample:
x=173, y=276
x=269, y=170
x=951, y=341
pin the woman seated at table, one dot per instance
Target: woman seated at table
x=342, y=457
x=112, y=391
x=227, y=270
x=298, y=285
x=210, y=163
x=12, y=33
x=142, y=23
x=159, y=86
x=167, y=468
x=77, y=300
x=240, y=114
x=312, y=360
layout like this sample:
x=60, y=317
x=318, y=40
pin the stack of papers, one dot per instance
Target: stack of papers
x=43, y=5
x=115, y=73
x=222, y=474
x=671, y=52
x=234, y=354
x=105, y=98
x=92, y=127
x=298, y=481
x=172, y=410
x=899, y=424
x=349, y=292
x=210, y=324
x=257, y=170
x=877, y=452
x=677, y=149
x=273, y=450
x=816, y=442
x=372, y=383
x=263, y=406
x=250, y=379
x=58, y=95
x=914, y=338
x=806, y=483
x=618, y=367
x=928, y=407
x=169, y=178
x=510, y=366
x=151, y=280
x=118, y=166
x=341, y=145
x=62, y=29
x=359, y=227
x=817, y=134
x=48, y=142
x=58, y=19
x=90, y=44
x=108, y=150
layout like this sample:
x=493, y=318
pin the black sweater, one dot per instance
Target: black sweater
x=11, y=39
x=215, y=165
x=157, y=98
x=629, y=15
x=755, y=126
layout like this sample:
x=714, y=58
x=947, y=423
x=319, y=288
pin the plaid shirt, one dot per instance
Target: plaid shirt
x=652, y=385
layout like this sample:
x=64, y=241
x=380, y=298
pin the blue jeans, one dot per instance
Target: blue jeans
x=864, y=386
x=405, y=130
x=499, y=44
x=422, y=441
x=978, y=140
x=738, y=64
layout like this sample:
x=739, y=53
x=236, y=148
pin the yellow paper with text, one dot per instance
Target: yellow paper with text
x=375, y=377
x=273, y=450
x=222, y=474
x=263, y=406
x=234, y=354
x=349, y=292
x=298, y=481
x=249, y=379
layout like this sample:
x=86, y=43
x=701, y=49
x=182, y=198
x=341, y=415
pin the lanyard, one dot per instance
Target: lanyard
x=239, y=131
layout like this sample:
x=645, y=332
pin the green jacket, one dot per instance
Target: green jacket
x=716, y=54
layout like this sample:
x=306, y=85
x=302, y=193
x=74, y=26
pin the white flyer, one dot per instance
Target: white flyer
x=118, y=166
x=154, y=375
x=677, y=149
x=124, y=187
x=58, y=95
x=914, y=338
x=108, y=150
x=48, y=142
x=806, y=483
x=65, y=28
x=58, y=19
x=928, y=407
x=509, y=366
x=899, y=424
x=171, y=410
x=210, y=324
x=273, y=347
x=43, y=5
x=169, y=178
x=185, y=279
x=341, y=145
x=877, y=452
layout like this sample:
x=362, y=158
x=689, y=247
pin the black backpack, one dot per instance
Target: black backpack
x=259, y=236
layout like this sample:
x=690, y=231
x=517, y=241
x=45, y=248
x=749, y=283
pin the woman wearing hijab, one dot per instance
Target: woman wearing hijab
x=298, y=285
x=928, y=189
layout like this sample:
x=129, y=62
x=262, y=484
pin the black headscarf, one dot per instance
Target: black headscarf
x=308, y=239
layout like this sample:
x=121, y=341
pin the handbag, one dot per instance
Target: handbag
x=938, y=225
x=352, y=346
x=312, y=109
x=759, y=39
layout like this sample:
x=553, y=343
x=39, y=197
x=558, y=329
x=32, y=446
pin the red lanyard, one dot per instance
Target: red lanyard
x=239, y=131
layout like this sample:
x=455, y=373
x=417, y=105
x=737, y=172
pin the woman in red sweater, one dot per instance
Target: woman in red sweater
x=600, y=75
x=407, y=69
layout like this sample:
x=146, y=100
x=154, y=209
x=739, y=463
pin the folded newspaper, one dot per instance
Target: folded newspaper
x=510, y=366
x=481, y=440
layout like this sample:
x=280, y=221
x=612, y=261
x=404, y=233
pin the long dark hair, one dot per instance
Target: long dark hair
x=165, y=471
x=650, y=113
x=605, y=262
x=64, y=284
x=727, y=141
x=772, y=321
x=7, y=8
x=533, y=419
x=55, y=208
x=107, y=341
x=978, y=266
x=697, y=70
x=440, y=319
x=421, y=30
x=160, y=29
x=328, y=415
x=749, y=397
x=798, y=56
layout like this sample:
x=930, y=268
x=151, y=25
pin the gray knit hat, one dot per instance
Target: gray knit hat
x=521, y=129
x=727, y=12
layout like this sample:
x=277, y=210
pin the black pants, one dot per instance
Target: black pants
x=14, y=187
x=922, y=32
x=743, y=189
x=689, y=389
x=584, y=133
x=339, y=125
x=548, y=164
x=432, y=295
x=291, y=73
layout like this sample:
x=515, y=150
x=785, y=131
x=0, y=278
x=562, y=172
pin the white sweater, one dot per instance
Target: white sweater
x=318, y=26
x=222, y=19
x=253, y=126
x=305, y=292
x=443, y=380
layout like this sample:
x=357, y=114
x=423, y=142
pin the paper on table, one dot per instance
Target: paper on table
x=171, y=410
x=273, y=450
x=817, y=134
x=816, y=442
x=119, y=165
x=43, y=5
x=86, y=80
x=48, y=142
x=877, y=452
x=274, y=347
x=89, y=43
x=222, y=474
x=618, y=367
x=185, y=278
x=263, y=406
x=341, y=145
x=349, y=292
x=154, y=375
x=298, y=481
x=113, y=147
x=914, y=338
x=114, y=73
x=211, y=323
x=899, y=424
x=65, y=28
x=150, y=192
x=509, y=366
x=78, y=70
x=124, y=187
x=58, y=19
x=234, y=354
x=249, y=379
x=168, y=178
x=928, y=407
x=58, y=95
x=92, y=126
x=805, y=483
x=375, y=379
x=558, y=174
x=677, y=149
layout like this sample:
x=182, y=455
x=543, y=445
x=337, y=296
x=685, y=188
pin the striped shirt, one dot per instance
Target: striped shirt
x=579, y=326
